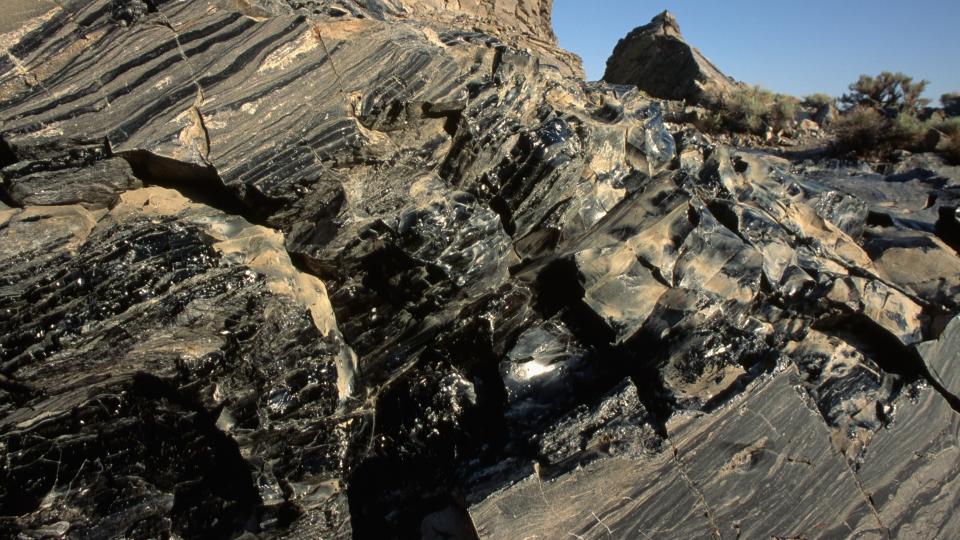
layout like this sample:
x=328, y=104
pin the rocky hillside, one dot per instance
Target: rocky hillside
x=385, y=268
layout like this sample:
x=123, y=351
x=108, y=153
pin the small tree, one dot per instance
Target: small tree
x=882, y=115
x=891, y=93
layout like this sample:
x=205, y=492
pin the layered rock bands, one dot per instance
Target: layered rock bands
x=389, y=268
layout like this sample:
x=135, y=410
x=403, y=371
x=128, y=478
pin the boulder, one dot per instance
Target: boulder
x=809, y=125
x=656, y=59
x=95, y=186
x=948, y=226
x=826, y=114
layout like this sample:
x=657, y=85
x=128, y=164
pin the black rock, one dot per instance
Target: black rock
x=393, y=275
x=948, y=226
x=95, y=186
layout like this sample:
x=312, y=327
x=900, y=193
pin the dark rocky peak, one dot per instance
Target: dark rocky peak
x=667, y=23
x=656, y=59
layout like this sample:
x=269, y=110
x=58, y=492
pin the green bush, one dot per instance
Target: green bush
x=860, y=130
x=746, y=110
x=751, y=109
x=951, y=148
x=867, y=132
x=950, y=126
x=711, y=122
x=784, y=111
x=882, y=115
x=905, y=131
x=817, y=101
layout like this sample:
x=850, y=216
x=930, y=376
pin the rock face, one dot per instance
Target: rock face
x=656, y=59
x=143, y=345
x=522, y=24
x=353, y=269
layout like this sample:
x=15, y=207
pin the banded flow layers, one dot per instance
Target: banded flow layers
x=361, y=268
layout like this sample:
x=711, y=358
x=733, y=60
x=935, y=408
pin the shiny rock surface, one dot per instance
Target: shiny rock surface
x=390, y=269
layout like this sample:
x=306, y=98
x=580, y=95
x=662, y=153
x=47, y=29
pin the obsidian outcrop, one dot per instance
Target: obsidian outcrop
x=372, y=269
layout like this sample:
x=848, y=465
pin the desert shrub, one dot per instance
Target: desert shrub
x=783, y=112
x=952, y=152
x=892, y=93
x=904, y=131
x=883, y=115
x=950, y=126
x=867, y=132
x=751, y=109
x=951, y=146
x=859, y=130
x=711, y=122
x=746, y=109
x=817, y=101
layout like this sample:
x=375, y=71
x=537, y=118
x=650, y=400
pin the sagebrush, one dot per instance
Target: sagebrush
x=751, y=109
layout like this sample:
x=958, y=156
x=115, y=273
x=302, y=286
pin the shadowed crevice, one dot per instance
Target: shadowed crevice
x=201, y=184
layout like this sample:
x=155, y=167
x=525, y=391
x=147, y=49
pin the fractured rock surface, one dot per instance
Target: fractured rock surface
x=369, y=269
x=125, y=332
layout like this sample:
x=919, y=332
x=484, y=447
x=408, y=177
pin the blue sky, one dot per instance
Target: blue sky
x=791, y=46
